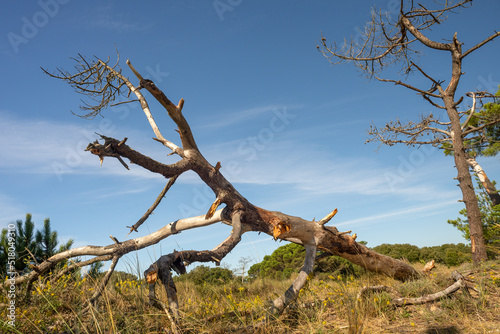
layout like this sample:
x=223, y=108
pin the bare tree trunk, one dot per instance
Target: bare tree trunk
x=488, y=186
x=469, y=197
x=463, y=176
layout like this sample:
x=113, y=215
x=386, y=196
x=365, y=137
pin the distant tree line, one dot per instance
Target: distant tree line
x=287, y=259
x=447, y=254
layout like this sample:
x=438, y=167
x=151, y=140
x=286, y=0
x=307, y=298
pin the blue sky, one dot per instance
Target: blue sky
x=288, y=128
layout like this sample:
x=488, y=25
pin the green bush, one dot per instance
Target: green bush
x=448, y=254
x=204, y=274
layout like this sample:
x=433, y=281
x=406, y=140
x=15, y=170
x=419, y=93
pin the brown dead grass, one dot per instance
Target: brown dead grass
x=324, y=306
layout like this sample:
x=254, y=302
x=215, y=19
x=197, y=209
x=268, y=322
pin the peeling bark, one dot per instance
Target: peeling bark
x=488, y=186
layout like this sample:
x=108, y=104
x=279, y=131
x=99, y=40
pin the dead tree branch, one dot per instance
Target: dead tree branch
x=238, y=211
x=146, y=215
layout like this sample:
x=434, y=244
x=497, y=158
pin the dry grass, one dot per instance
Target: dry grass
x=324, y=306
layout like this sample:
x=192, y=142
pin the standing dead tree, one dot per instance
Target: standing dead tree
x=106, y=85
x=388, y=41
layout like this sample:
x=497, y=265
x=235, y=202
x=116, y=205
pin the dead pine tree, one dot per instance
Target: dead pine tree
x=106, y=85
x=396, y=41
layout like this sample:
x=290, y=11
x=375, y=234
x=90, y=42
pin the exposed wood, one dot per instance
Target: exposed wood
x=328, y=217
x=488, y=186
x=429, y=266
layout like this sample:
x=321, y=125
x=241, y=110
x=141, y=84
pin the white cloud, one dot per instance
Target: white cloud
x=403, y=212
x=56, y=148
x=225, y=119
x=313, y=171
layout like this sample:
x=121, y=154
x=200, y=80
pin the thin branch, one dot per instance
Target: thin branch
x=398, y=82
x=279, y=304
x=147, y=111
x=434, y=81
x=169, y=184
x=479, y=128
x=477, y=46
x=123, y=248
x=80, y=264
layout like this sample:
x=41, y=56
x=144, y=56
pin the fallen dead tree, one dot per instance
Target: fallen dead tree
x=460, y=283
x=105, y=83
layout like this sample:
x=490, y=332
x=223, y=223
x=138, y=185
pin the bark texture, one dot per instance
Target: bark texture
x=488, y=186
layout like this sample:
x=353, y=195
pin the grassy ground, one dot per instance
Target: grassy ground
x=327, y=305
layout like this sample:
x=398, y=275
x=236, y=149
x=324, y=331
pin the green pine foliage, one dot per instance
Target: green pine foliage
x=201, y=275
x=46, y=240
x=448, y=254
x=31, y=246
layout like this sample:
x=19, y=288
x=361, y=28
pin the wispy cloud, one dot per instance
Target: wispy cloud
x=118, y=24
x=56, y=148
x=229, y=118
x=404, y=212
x=37, y=146
x=314, y=171
x=107, y=17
